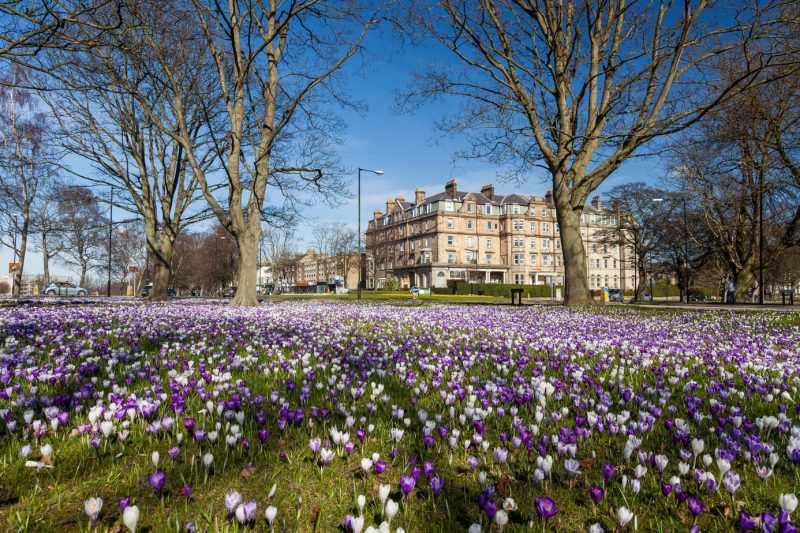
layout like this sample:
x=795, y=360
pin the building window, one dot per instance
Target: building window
x=488, y=242
x=533, y=227
x=557, y=227
x=489, y=225
x=615, y=263
x=469, y=240
x=470, y=256
x=558, y=260
x=450, y=223
x=519, y=279
x=545, y=227
x=546, y=243
x=606, y=284
x=558, y=244
x=605, y=263
x=545, y=212
x=489, y=259
x=487, y=209
x=533, y=259
x=519, y=225
x=594, y=248
x=451, y=257
x=469, y=224
x=448, y=205
x=616, y=282
x=519, y=259
x=470, y=207
x=519, y=242
x=515, y=209
x=533, y=244
x=450, y=240
x=545, y=260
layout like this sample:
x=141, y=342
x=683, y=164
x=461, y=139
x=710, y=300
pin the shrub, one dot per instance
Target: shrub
x=392, y=285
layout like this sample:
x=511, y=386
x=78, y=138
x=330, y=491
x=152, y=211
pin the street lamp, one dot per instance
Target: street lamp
x=685, y=246
x=360, y=261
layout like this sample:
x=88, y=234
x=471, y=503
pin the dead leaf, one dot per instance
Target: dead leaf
x=587, y=463
x=504, y=484
x=45, y=460
x=248, y=471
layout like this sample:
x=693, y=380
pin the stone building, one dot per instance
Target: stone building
x=483, y=237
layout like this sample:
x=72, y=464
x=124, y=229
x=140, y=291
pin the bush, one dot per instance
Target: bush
x=5, y=288
x=392, y=285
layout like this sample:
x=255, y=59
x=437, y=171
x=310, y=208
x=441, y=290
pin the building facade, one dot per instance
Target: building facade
x=484, y=237
x=313, y=272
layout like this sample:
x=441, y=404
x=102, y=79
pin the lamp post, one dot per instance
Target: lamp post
x=110, y=232
x=761, y=238
x=685, y=266
x=360, y=260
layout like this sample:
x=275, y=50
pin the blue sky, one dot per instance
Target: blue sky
x=407, y=147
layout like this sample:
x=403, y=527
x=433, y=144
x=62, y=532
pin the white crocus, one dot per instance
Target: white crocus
x=130, y=517
x=788, y=502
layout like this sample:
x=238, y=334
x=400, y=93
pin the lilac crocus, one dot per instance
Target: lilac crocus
x=437, y=484
x=500, y=455
x=596, y=493
x=156, y=480
x=608, y=472
x=232, y=500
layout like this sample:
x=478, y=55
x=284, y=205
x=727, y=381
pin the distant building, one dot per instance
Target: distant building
x=313, y=272
x=484, y=237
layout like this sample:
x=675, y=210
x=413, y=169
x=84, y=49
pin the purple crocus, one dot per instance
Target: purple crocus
x=545, y=507
x=608, y=472
x=596, y=493
x=380, y=466
x=187, y=491
x=436, y=484
x=156, y=480
x=174, y=452
x=696, y=506
x=124, y=502
x=407, y=484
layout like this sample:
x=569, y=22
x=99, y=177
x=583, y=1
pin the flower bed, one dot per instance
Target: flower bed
x=306, y=415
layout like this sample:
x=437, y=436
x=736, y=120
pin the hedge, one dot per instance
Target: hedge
x=503, y=289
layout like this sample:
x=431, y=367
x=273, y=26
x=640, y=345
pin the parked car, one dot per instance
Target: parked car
x=229, y=292
x=171, y=293
x=699, y=297
x=64, y=288
x=615, y=295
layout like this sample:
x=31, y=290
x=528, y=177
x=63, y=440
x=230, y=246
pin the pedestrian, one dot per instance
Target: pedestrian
x=731, y=289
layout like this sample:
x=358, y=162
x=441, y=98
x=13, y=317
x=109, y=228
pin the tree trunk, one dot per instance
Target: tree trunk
x=248, y=267
x=162, y=266
x=45, y=259
x=575, y=276
x=641, y=286
x=82, y=281
x=23, y=246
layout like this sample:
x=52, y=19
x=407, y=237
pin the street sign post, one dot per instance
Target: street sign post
x=14, y=267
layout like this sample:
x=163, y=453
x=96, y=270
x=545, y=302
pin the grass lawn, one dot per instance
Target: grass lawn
x=469, y=414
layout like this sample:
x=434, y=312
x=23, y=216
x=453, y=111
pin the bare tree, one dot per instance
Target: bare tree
x=644, y=220
x=275, y=65
x=576, y=88
x=26, y=163
x=82, y=234
x=47, y=227
x=28, y=27
x=279, y=247
x=99, y=105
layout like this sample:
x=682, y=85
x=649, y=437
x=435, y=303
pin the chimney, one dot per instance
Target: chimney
x=419, y=196
x=450, y=188
x=488, y=191
x=548, y=198
x=596, y=203
x=400, y=198
x=389, y=207
x=377, y=214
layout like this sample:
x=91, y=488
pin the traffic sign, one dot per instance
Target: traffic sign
x=133, y=268
x=14, y=267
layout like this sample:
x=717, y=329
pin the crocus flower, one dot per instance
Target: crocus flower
x=624, y=515
x=124, y=502
x=156, y=480
x=130, y=517
x=407, y=484
x=545, y=507
x=436, y=484
x=92, y=507
x=608, y=472
x=788, y=502
x=270, y=514
x=696, y=506
x=232, y=500
x=596, y=493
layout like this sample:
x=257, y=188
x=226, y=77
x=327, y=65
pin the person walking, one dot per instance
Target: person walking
x=731, y=291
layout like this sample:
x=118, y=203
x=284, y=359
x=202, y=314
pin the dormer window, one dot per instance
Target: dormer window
x=448, y=205
x=487, y=209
